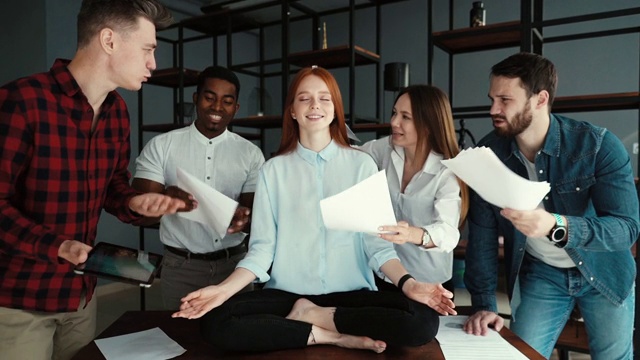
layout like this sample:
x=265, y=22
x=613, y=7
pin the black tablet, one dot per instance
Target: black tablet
x=121, y=263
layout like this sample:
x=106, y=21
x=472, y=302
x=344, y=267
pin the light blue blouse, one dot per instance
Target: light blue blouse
x=287, y=231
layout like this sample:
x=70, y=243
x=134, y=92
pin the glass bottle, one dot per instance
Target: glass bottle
x=477, y=14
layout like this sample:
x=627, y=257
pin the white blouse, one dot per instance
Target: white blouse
x=431, y=201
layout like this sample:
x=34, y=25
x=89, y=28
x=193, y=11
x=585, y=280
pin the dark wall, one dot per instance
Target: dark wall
x=22, y=44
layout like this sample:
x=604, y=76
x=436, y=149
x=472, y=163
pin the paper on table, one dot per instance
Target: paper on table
x=149, y=344
x=214, y=208
x=458, y=345
x=481, y=169
x=361, y=208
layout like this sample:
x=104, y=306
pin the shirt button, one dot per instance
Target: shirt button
x=541, y=171
x=578, y=188
x=208, y=177
x=580, y=263
x=591, y=278
x=208, y=157
x=546, y=198
x=216, y=240
x=520, y=249
x=210, y=142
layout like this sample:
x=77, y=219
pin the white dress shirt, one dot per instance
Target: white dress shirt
x=430, y=201
x=227, y=163
x=288, y=234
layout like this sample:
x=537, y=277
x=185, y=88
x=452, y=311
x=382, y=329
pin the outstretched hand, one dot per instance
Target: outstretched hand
x=177, y=193
x=433, y=295
x=154, y=204
x=200, y=302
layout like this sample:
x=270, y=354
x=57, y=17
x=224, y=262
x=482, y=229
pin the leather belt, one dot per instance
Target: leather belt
x=212, y=256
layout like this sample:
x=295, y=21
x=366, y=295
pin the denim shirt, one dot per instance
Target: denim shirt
x=592, y=185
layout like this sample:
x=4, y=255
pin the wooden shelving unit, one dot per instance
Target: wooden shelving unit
x=334, y=57
x=525, y=33
x=597, y=102
x=220, y=22
x=494, y=36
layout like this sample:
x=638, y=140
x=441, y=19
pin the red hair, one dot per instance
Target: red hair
x=290, y=128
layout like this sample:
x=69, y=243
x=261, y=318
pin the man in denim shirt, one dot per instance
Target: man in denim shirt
x=575, y=247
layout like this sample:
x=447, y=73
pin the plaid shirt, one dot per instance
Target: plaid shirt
x=55, y=178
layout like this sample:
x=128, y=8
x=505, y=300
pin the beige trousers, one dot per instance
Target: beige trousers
x=34, y=335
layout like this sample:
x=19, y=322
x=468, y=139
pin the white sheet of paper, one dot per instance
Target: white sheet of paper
x=152, y=344
x=214, y=208
x=481, y=169
x=361, y=208
x=458, y=345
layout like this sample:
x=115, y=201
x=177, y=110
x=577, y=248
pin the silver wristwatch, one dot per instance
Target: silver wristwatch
x=426, y=239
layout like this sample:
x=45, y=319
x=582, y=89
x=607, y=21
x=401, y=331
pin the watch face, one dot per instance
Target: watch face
x=558, y=234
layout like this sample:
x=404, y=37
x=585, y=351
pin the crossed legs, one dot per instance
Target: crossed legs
x=323, y=329
x=269, y=319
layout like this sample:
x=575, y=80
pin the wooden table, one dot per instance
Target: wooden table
x=187, y=334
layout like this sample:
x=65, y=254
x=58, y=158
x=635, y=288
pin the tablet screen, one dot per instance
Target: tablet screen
x=121, y=263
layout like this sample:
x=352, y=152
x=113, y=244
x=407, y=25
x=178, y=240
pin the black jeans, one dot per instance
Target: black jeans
x=255, y=320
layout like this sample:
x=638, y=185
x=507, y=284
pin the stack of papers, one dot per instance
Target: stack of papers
x=481, y=169
x=458, y=345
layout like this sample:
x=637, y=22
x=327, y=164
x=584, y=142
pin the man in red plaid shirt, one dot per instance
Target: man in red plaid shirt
x=65, y=150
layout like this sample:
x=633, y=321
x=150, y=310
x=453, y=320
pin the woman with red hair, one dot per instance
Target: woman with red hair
x=320, y=287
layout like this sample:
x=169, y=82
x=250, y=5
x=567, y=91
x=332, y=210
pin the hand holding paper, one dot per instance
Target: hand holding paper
x=481, y=169
x=214, y=208
x=361, y=208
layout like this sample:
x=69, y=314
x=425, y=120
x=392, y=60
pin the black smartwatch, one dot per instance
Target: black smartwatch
x=558, y=234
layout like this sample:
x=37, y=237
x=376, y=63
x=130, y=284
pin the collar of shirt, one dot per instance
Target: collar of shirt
x=551, y=144
x=310, y=156
x=60, y=72
x=431, y=166
x=69, y=86
x=205, y=140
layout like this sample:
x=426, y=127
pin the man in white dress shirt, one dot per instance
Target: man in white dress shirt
x=194, y=256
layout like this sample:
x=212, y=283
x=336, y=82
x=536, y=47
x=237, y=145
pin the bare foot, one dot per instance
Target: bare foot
x=300, y=308
x=319, y=335
x=305, y=310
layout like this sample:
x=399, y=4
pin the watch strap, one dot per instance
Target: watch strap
x=559, y=221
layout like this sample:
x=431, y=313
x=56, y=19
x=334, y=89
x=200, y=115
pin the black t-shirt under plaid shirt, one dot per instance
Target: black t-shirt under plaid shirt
x=55, y=178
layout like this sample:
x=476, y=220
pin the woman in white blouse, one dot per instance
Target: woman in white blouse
x=320, y=287
x=430, y=203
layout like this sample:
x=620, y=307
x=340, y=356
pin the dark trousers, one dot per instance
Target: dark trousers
x=255, y=321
